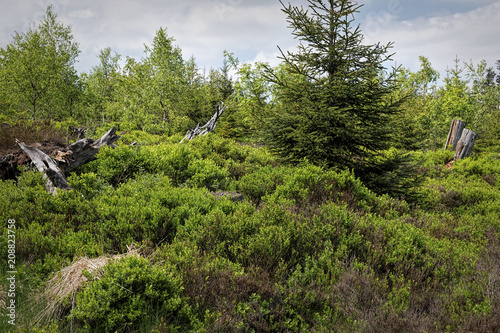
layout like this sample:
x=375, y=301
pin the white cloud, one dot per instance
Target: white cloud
x=253, y=29
x=470, y=36
x=84, y=14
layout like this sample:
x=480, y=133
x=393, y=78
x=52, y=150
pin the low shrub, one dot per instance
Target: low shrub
x=132, y=293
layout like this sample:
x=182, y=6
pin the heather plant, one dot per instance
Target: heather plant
x=308, y=249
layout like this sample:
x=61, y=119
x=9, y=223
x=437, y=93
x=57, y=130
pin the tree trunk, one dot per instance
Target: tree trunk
x=456, y=129
x=465, y=144
x=66, y=161
x=84, y=151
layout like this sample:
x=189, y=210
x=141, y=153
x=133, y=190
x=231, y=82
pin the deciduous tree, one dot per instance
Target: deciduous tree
x=37, y=71
x=101, y=84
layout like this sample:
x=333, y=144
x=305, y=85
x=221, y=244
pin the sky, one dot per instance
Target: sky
x=441, y=30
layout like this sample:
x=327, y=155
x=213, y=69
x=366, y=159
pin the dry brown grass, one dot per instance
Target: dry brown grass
x=60, y=294
x=29, y=133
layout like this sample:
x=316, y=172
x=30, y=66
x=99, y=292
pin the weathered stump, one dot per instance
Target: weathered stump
x=456, y=129
x=45, y=164
x=460, y=139
x=465, y=144
x=208, y=127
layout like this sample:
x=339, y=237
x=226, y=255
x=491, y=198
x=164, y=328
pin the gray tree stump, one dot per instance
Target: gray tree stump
x=45, y=164
x=456, y=129
x=465, y=144
x=208, y=127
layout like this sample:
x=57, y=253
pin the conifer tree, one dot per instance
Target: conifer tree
x=334, y=107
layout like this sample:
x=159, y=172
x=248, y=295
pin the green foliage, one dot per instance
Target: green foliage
x=331, y=112
x=101, y=85
x=394, y=173
x=485, y=93
x=334, y=100
x=255, y=186
x=252, y=102
x=428, y=109
x=129, y=292
x=38, y=75
x=415, y=124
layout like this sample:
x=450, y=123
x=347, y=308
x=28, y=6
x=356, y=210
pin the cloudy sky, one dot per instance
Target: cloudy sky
x=441, y=30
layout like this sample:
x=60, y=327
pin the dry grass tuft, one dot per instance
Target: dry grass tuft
x=60, y=294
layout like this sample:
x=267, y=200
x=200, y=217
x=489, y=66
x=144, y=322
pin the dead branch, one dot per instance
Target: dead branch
x=208, y=127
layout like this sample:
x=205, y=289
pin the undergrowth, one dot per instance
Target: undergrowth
x=308, y=250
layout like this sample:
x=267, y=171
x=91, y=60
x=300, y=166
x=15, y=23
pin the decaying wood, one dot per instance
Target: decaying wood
x=208, y=127
x=64, y=162
x=85, y=150
x=460, y=139
x=465, y=144
x=456, y=129
x=79, y=132
x=48, y=167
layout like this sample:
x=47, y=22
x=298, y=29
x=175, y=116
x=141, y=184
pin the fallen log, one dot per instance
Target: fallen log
x=66, y=161
x=85, y=150
x=208, y=127
x=48, y=167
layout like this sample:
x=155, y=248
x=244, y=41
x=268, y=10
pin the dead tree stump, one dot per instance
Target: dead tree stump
x=208, y=127
x=45, y=164
x=456, y=129
x=465, y=144
x=460, y=139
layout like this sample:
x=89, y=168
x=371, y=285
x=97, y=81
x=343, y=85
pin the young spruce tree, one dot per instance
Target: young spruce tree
x=335, y=106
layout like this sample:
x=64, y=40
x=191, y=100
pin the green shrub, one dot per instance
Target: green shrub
x=254, y=186
x=205, y=173
x=310, y=249
x=89, y=185
x=432, y=158
x=132, y=293
x=119, y=164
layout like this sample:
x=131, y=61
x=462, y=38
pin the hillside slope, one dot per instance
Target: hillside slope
x=308, y=250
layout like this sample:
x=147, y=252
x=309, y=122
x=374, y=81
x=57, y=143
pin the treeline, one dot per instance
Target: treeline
x=162, y=93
